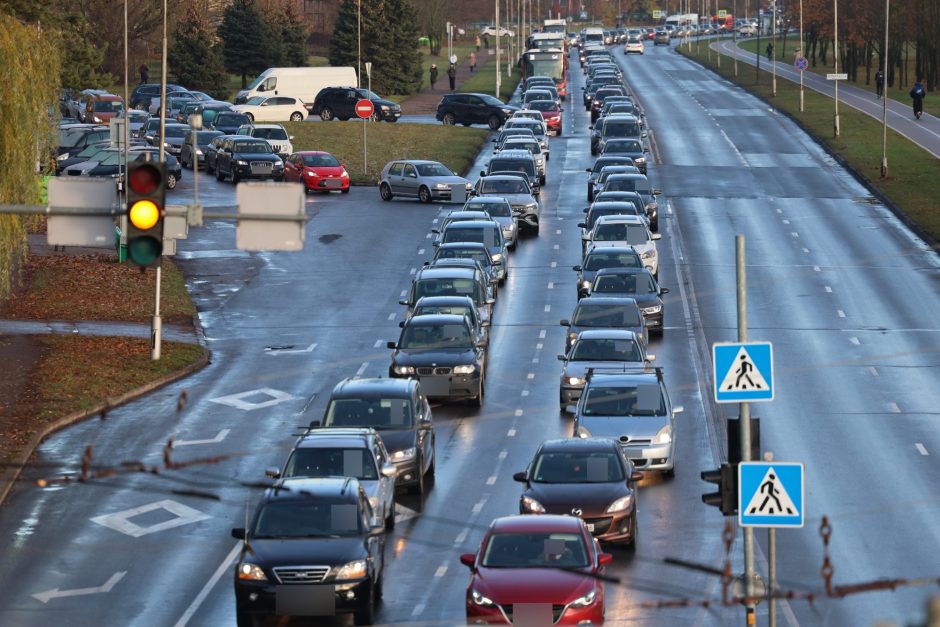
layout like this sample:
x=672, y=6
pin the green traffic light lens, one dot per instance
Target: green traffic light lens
x=144, y=251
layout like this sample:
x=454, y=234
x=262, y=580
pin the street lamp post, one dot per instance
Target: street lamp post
x=498, y=75
x=773, y=54
x=884, y=99
x=835, y=51
x=803, y=53
x=359, y=45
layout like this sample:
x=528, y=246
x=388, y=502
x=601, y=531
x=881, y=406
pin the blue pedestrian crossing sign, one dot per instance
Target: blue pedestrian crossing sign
x=743, y=372
x=770, y=494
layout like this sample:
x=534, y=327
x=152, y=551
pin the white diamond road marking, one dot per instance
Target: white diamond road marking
x=121, y=521
x=238, y=401
x=772, y=501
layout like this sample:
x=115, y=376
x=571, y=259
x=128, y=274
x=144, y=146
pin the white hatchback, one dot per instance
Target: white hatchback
x=274, y=109
x=626, y=230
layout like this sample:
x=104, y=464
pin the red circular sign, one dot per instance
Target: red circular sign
x=365, y=108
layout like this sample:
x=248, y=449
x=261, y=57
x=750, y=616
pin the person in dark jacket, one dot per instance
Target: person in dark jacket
x=144, y=73
x=433, y=74
x=917, y=95
x=880, y=83
x=452, y=75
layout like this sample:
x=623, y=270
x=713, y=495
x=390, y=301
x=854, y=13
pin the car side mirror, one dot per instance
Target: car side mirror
x=388, y=470
x=482, y=172
x=520, y=477
x=591, y=126
x=314, y=424
x=678, y=409
x=435, y=244
x=664, y=290
x=657, y=236
x=403, y=302
x=490, y=301
x=576, y=268
x=564, y=323
x=376, y=531
x=657, y=192
x=401, y=325
x=644, y=134
x=561, y=357
x=604, y=558
x=582, y=225
x=485, y=323
x=238, y=533
x=468, y=560
x=392, y=345
x=587, y=169
x=272, y=472
x=494, y=140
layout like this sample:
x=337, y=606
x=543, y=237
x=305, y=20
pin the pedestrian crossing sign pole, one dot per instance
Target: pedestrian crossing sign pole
x=770, y=494
x=743, y=372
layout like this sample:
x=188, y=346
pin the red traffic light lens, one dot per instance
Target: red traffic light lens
x=144, y=179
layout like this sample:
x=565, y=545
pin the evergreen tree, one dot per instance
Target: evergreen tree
x=293, y=37
x=343, y=44
x=243, y=35
x=193, y=59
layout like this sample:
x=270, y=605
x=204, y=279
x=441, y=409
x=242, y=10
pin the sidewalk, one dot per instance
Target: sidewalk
x=924, y=132
x=96, y=328
x=425, y=101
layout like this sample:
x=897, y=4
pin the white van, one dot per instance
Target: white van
x=301, y=82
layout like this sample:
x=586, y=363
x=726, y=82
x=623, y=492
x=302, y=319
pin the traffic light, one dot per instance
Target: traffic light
x=146, y=199
x=726, y=498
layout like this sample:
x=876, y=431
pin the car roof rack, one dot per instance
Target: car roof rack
x=626, y=368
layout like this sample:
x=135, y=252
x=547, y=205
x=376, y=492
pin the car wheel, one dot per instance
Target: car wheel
x=170, y=181
x=244, y=619
x=278, y=179
x=535, y=229
x=209, y=169
x=466, y=123
x=384, y=191
x=424, y=194
x=418, y=488
x=494, y=122
x=477, y=401
x=250, y=117
x=390, y=519
x=431, y=469
x=296, y=116
x=541, y=180
x=449, y=119
x=345, y=191
x=326, y=114
x=235, y=179
x=391, y=119
x=342, y=119
x=366, y=616
x=558, y=134
x=631, y=545
x=670, y=473
x=219, y=175
x=654, y=226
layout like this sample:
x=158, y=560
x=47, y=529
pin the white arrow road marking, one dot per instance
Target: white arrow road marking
x=55, y=593
x=285, y=351
x=218, y=438
x=403, y=513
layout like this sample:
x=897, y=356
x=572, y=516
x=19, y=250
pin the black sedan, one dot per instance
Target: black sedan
x=441, y=352
x=638, y=284
x=195, y=155
x=585, y=477
x=212, y=151
x=242, y=157
x=627, y=147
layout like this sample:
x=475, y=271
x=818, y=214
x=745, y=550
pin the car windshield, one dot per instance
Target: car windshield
x=433, y=169
x=532, y=146
x=626, y=185
x=483, y=235
x=229, y=119
x=259, y=148
x=621, y=107
x=596, y=261
x=321, y=161
x=606, y=315
x=176, y=131
x=436, y=336
x=92, y=150
x=492, y=100
x=577, y=467
x=378, y=413
x=623, y=145
x=600, y=349
x=331, y=462
x=633, y=234
x=602, y=163
x=639, y=283
x=526, y=166
x=269, y=133
x=112, y=158
x=68, y=139
x=495, y=209
x=534, y=95
x=621, y=129
x=543, y=105
x=532, y=125
x=505, y=186
x=464, y=253
x=535, y=549
x=310, y=518
x=204, y=137
x=108, y=106
x=449, y=287
x=454, y=310
x=642, y=400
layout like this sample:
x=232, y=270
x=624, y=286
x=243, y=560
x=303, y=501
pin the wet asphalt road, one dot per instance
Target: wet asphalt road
x=845, y=292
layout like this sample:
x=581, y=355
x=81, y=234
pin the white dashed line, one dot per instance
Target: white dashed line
x=828, y=289
x=855, y=341
x=873, y=371
x=554, y=264
x=412, y=271
x=403, y=294
x=786, y=222
x=511, y=433
x=525, y=392
x=806, y=250
x=420, y=251
x=419, y=608
x=556, y=247
x=557, y=231
x=491, y=480
x=503, y=454
x=840, y=313
x=378, y=344
x=794, y=234
x=429, y=236
x=542, y=334
x=921, y=448
x=391, y=316
x=434, y=221
x=548, y=308
x=440, y=571
x=779, y=210
x=518, y=412
x=817, y=269
x=539, y=346
x=893, y=408
x=461, y=537
x=531, y=375
x=477, y=508
x=362, y=368
x=551, y=285
x=535, y=360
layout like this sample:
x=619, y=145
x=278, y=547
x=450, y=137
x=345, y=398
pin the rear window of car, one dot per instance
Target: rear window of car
x=269, y=133
x=331, y=462
x=612, y=260
x=378, y=413
x=228, y=119
x=513, y=165
x=606, y=315
x=483, y=235
x=642, y=400
x=621, y=129
x=639, y=283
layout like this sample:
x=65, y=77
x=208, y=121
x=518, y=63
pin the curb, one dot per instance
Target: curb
x=15, y=467
x=858, y=176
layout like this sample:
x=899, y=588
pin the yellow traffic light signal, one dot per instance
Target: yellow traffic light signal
x=146, y=199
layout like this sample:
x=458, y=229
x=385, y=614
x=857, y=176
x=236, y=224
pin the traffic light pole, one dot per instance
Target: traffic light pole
x=745, y=425
x=157, y=325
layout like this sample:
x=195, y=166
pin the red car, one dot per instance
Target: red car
x=536, y=570
x=651, y=33
x=318, y=171
x=550, y=113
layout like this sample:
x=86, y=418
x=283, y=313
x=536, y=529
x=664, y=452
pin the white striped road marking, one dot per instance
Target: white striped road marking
x=206, y=589
x=893, y=408
x=440, y=571
x=518, y=412
x=921, y=448
x=525, y=392
x=539, y=346
x=817, y=269
x=541, y=334
x=828, y=289
x=854, y=340
x=428, y=236
x=403, y=293
x=391, y=316
x=551, y=285
x=794, y=234
x=420, y=251
x=548, y=308
x=419, y=609
x=786, y=222
x=840, y=313
x=873, y=371
x=461, y=536
x=218, y=438
x=511, y=433
x=535, y=360
x=556, y=247
x=557, y=231
x=806, y=250
x=491, y=480
x=378, y=343
x=531, y=375
x=478, y=507
x=554, y=264
x=362, y=368
x=412, y=271
x=503, y=454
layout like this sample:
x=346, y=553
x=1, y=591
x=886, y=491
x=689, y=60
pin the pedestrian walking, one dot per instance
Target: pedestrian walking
x=486, y=41
x=452, y=75
x=770, y=50
x=473, y=61
x=433, y=75
x=880, y=83
x=478, y=43
x=917, y=95
x=144, y=73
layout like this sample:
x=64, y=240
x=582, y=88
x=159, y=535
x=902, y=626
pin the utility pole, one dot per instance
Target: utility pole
x=156, y=326
x=498, y=38
x=835, y=51
x=745, y=424
x=884, y=98
x=773, y=54
x=803, y=53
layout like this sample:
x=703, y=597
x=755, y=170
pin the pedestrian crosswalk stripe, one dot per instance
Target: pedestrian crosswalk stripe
x=771, y=498
x=743, y=375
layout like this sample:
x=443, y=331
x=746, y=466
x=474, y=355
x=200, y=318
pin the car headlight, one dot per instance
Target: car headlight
x=384, y=107
x=497, y=257
x=404, y=454
x=572, y=337
x=352, y=570
x=469, y=186
x=508, y=111
x=198, y=151
x=585, y=284
x=508, y=230
x=468, y=369
x=479, y=599
x=441, y=185
x=279, y=165
x=651, y=206
x=62, y=157
x=621, y=504
x=575, y=381
x=241, y=162
x=404, y=370
x=251, y=572
x=531, y=206
x=664, y=436
x=584, y=601
x=97, y=120
x=344, y=175
x=532, y=506
x=167, y=145
x=655, y=309
x=640, y=160
x=649, y=254
x=311, y=173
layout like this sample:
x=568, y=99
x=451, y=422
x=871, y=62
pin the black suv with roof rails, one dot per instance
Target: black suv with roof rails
x=470, y=109
x=339, y=103
x=311, y=549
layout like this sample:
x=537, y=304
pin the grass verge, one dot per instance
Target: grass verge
x=74, y=373
x=94, y=287
x=899, y=93
x=484, y=81
x=913, y=184
x=453, y=146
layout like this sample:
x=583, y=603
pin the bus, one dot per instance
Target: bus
x=547, y=41
x=555, y=26
x=552, y=63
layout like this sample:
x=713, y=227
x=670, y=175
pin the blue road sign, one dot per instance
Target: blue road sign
x=743, y=372
x=770, y=494
x=801, y=63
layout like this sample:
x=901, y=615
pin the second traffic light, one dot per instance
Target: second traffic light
x=146, y=200
x=726, y=499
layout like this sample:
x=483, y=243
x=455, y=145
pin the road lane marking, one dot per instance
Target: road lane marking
x=873, y=371
x=491, y=480
x=556, y=247
x=412, y=271
x=806, y=250
x=378, y=344
x=893, y=408
x=206, y=589
x=548, y=308
x=779, y=210
x=794, y=234
x=440, y=571
x=854, y=340
x=920, y=449
x=786, y=222
x=518, y=412
x=557, y=231
x=511, y=433
x=420, y=251
x=121, y=521
x=362, y=368
x=419, y=608
x=542, y=334
x=554, y=264
x=391, y=316
x=535, y=360
x=817, y=269
x=238, y=401
x=55, y=593
x=288, y=351
x=525, y=392
x=461, y=536
x=503, y=454
x=551, y=285
x=539, y=346
x=221, y=435
x=531, y=375
x=478, y=507
x=840, y=313
x=435, y=221
x=828, y=289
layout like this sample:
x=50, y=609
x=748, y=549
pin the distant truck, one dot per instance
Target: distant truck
x=300, y=82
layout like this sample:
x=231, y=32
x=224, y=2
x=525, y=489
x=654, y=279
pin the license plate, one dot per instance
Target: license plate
x=435, y=386
x=590, y=527
x=305, y=600
x=332, y=183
